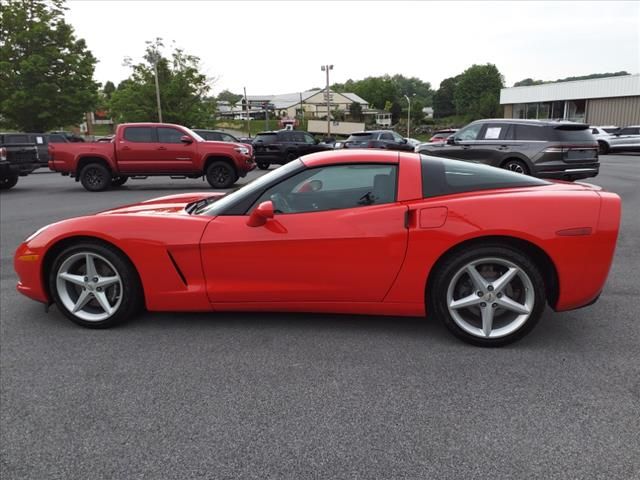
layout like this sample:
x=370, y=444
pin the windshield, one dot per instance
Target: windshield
x=253, y=188
x=360, y=137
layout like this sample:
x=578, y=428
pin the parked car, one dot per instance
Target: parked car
x=602, y=132
x=151, y=149
x=442, y=135
x=18, y=158
x=413, y=142
x=283, y=146
x=546, y=149
x=384, y=139
x=216, y=135
x=346, y=231
x=623, y=139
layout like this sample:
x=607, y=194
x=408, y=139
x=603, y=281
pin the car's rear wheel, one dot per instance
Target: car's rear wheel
x=94, y=285
x=119, y=181
x=603, y=148
x=221, y=175
x=8, y=182
x=489, y=296
x=95, y=177
x=263, y=165
x=517, y=166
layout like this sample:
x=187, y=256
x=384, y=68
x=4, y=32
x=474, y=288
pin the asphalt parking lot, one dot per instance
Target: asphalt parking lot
x=313, y=396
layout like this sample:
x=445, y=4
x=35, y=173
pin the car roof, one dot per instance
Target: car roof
x=365, y=155
x=368, y=132
x=541, y=123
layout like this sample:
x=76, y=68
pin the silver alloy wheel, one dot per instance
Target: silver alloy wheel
x=515, y=167
x=490, y=297
x=89, y=286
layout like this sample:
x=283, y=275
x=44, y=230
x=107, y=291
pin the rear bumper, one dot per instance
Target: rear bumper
x=17, y=169
x=566, y=171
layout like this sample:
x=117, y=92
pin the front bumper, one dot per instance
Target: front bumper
x=28, y=265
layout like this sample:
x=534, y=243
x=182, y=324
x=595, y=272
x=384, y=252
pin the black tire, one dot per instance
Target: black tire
x=603, y=148
x=221, y=175
x=516, y=166
x=8, y=182
x=510, y=326
x=129, y=290
x=291, y=156
x=95, y=177
x=119, y=181
x=263, y=165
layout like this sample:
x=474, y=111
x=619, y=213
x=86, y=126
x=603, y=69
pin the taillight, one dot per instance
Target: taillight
x=3, y=154
x=555, y=150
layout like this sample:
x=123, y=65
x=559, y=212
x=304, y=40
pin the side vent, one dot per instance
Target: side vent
x=175, y=265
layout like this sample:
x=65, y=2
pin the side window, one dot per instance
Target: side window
x=386, y=136
x=397, y=138
x=54, y=138
x=469, y=133
x=595, y=131
x=334, y=187
x=309, y=139
x=298, y=137
x=169, y=135
x=139, y=134
x=495, y=131
x=530, y=132
x=227, y=138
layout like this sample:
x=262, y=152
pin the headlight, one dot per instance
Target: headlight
x=242, y=150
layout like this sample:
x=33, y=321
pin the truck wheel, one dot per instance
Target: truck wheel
x=221, y=175
x=263, y=166
x=119, y=181
x=95, y=177
x=8, y=182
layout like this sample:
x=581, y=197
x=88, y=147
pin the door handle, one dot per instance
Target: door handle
x=503, y=147
x=162, y=148
x=466, y=147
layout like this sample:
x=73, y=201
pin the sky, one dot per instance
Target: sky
x=274, y=47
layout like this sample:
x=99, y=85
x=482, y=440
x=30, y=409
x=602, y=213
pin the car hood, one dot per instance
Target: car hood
x=170, y=204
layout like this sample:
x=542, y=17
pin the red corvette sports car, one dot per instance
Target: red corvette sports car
x=349, y=231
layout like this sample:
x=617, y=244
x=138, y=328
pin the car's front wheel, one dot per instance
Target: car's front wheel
x=221, y=175
x=489, y=296
x=8, y=182
x=94, y=285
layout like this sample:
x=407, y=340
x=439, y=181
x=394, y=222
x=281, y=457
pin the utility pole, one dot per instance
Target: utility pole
x=408, y=116
x=301, y=111
x=155, y=71
x=326, y=68
x=246, y=111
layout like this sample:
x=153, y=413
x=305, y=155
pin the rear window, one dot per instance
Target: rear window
x=266, y=137
x=611, y=130
x=139, y=134
x=56, y=138
x=562, y=135
x=16, y=139
x=441, y=176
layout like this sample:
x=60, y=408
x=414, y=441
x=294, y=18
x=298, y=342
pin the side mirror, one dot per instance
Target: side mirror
x=451, y=140
x=261, y=214
x=186, y=139
x=404, y=140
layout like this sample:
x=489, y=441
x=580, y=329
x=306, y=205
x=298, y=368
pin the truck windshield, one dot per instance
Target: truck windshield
x=194, y=134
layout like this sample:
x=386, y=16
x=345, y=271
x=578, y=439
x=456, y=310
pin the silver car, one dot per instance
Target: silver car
x=627, y=138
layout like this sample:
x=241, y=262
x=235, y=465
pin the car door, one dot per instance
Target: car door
x=337, y=235
x=492, y=145
x=463, y=141
x=626, y=137
x=386, y=141
x=401, y=143
x=136, y=149
x=174, y=155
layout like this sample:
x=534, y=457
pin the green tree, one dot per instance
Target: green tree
x=183, y=91
x=46, y=73
x=477, y=92
x=108, y=89
x=527, y=82
x=355, y=111
x=443, y=105
x=227, y=96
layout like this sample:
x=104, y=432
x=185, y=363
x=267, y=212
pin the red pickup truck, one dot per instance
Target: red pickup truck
x=147, y=149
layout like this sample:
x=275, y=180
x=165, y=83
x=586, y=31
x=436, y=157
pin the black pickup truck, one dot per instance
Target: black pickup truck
x=18, y=158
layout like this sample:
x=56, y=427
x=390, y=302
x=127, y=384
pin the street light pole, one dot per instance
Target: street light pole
x=155, y=70
x=408, y=116
x=326, y=68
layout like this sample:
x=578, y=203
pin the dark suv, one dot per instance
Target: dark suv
x=386, y=139
x=548, y=149
x=18, y=157
x=282, y=146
